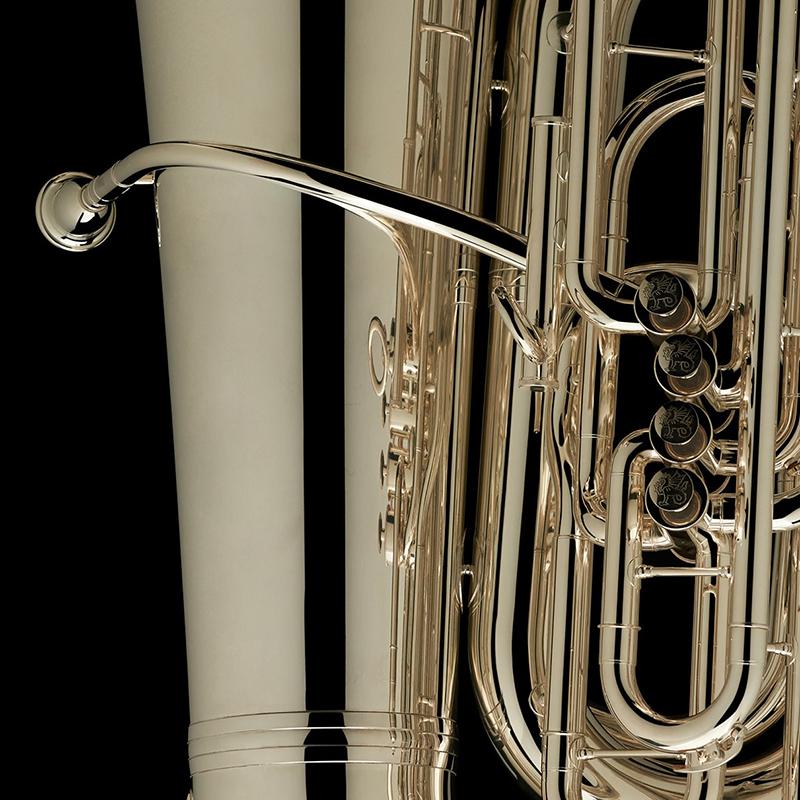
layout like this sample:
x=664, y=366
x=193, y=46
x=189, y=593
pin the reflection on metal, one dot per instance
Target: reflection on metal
x=713, y=484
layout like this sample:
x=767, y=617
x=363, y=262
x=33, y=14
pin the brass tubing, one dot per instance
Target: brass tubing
x=752, y=554
x=622, y=20
x=787, y=436
x=373, y=201
x=626, y=139
x=564, y=180
x=718, y=193
x=496, y=553
x=699, y=56
x=587, y=117
x=742, y=246
x=545, y=227
x=722, y=101
x=791, y=735
x=712, y=785
x=624, y=142
x=565, y=684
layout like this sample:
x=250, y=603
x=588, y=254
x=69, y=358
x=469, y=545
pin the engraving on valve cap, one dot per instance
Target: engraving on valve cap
x=680, y=356
x=671, y=489
x=676, y=423
x=661, y=293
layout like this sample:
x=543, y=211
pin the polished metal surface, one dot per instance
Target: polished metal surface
x=505, y=523
x=65, y=204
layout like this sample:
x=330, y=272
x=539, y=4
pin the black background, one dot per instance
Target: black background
x=95, y=611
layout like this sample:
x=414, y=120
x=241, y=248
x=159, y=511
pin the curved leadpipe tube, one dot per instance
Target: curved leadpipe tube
x=73, y=211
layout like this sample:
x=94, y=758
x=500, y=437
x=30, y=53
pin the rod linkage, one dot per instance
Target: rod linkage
x=698, y=56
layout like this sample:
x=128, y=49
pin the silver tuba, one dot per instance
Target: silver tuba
x=480, y=410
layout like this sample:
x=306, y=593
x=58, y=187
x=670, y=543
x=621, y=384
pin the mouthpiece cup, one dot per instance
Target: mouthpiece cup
x=63, y=219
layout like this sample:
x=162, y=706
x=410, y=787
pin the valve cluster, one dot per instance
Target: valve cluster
x=680, y=430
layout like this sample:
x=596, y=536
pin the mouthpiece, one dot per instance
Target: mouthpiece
x=66, y=220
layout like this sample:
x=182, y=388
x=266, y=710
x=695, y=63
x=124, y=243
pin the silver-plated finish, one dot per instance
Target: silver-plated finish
x=685, y=366
x=528, y=337
x=676, y=499
x=376, y=202
x=700, y=56
x=293, y=739
x=600, y=305
x=63, y=219
x=713, y=483
x=665, y=303
x=791, y=762
x=681, y=432
x=719, y=725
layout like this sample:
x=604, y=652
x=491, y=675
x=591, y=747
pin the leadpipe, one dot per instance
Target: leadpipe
x=62, y=211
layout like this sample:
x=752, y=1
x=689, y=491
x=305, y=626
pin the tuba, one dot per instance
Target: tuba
x=492, y=418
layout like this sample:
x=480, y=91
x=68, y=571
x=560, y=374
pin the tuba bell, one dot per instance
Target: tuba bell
x=496, y=417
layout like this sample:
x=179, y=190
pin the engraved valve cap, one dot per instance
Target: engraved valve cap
x=671, y=489
x=680, y=432
x=676, y=498
x=680, y=356
x=665, y=303
x=676, y=423
x=661, y=293
x=685, y=365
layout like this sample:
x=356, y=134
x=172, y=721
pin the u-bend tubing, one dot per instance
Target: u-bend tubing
x=748, y=638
